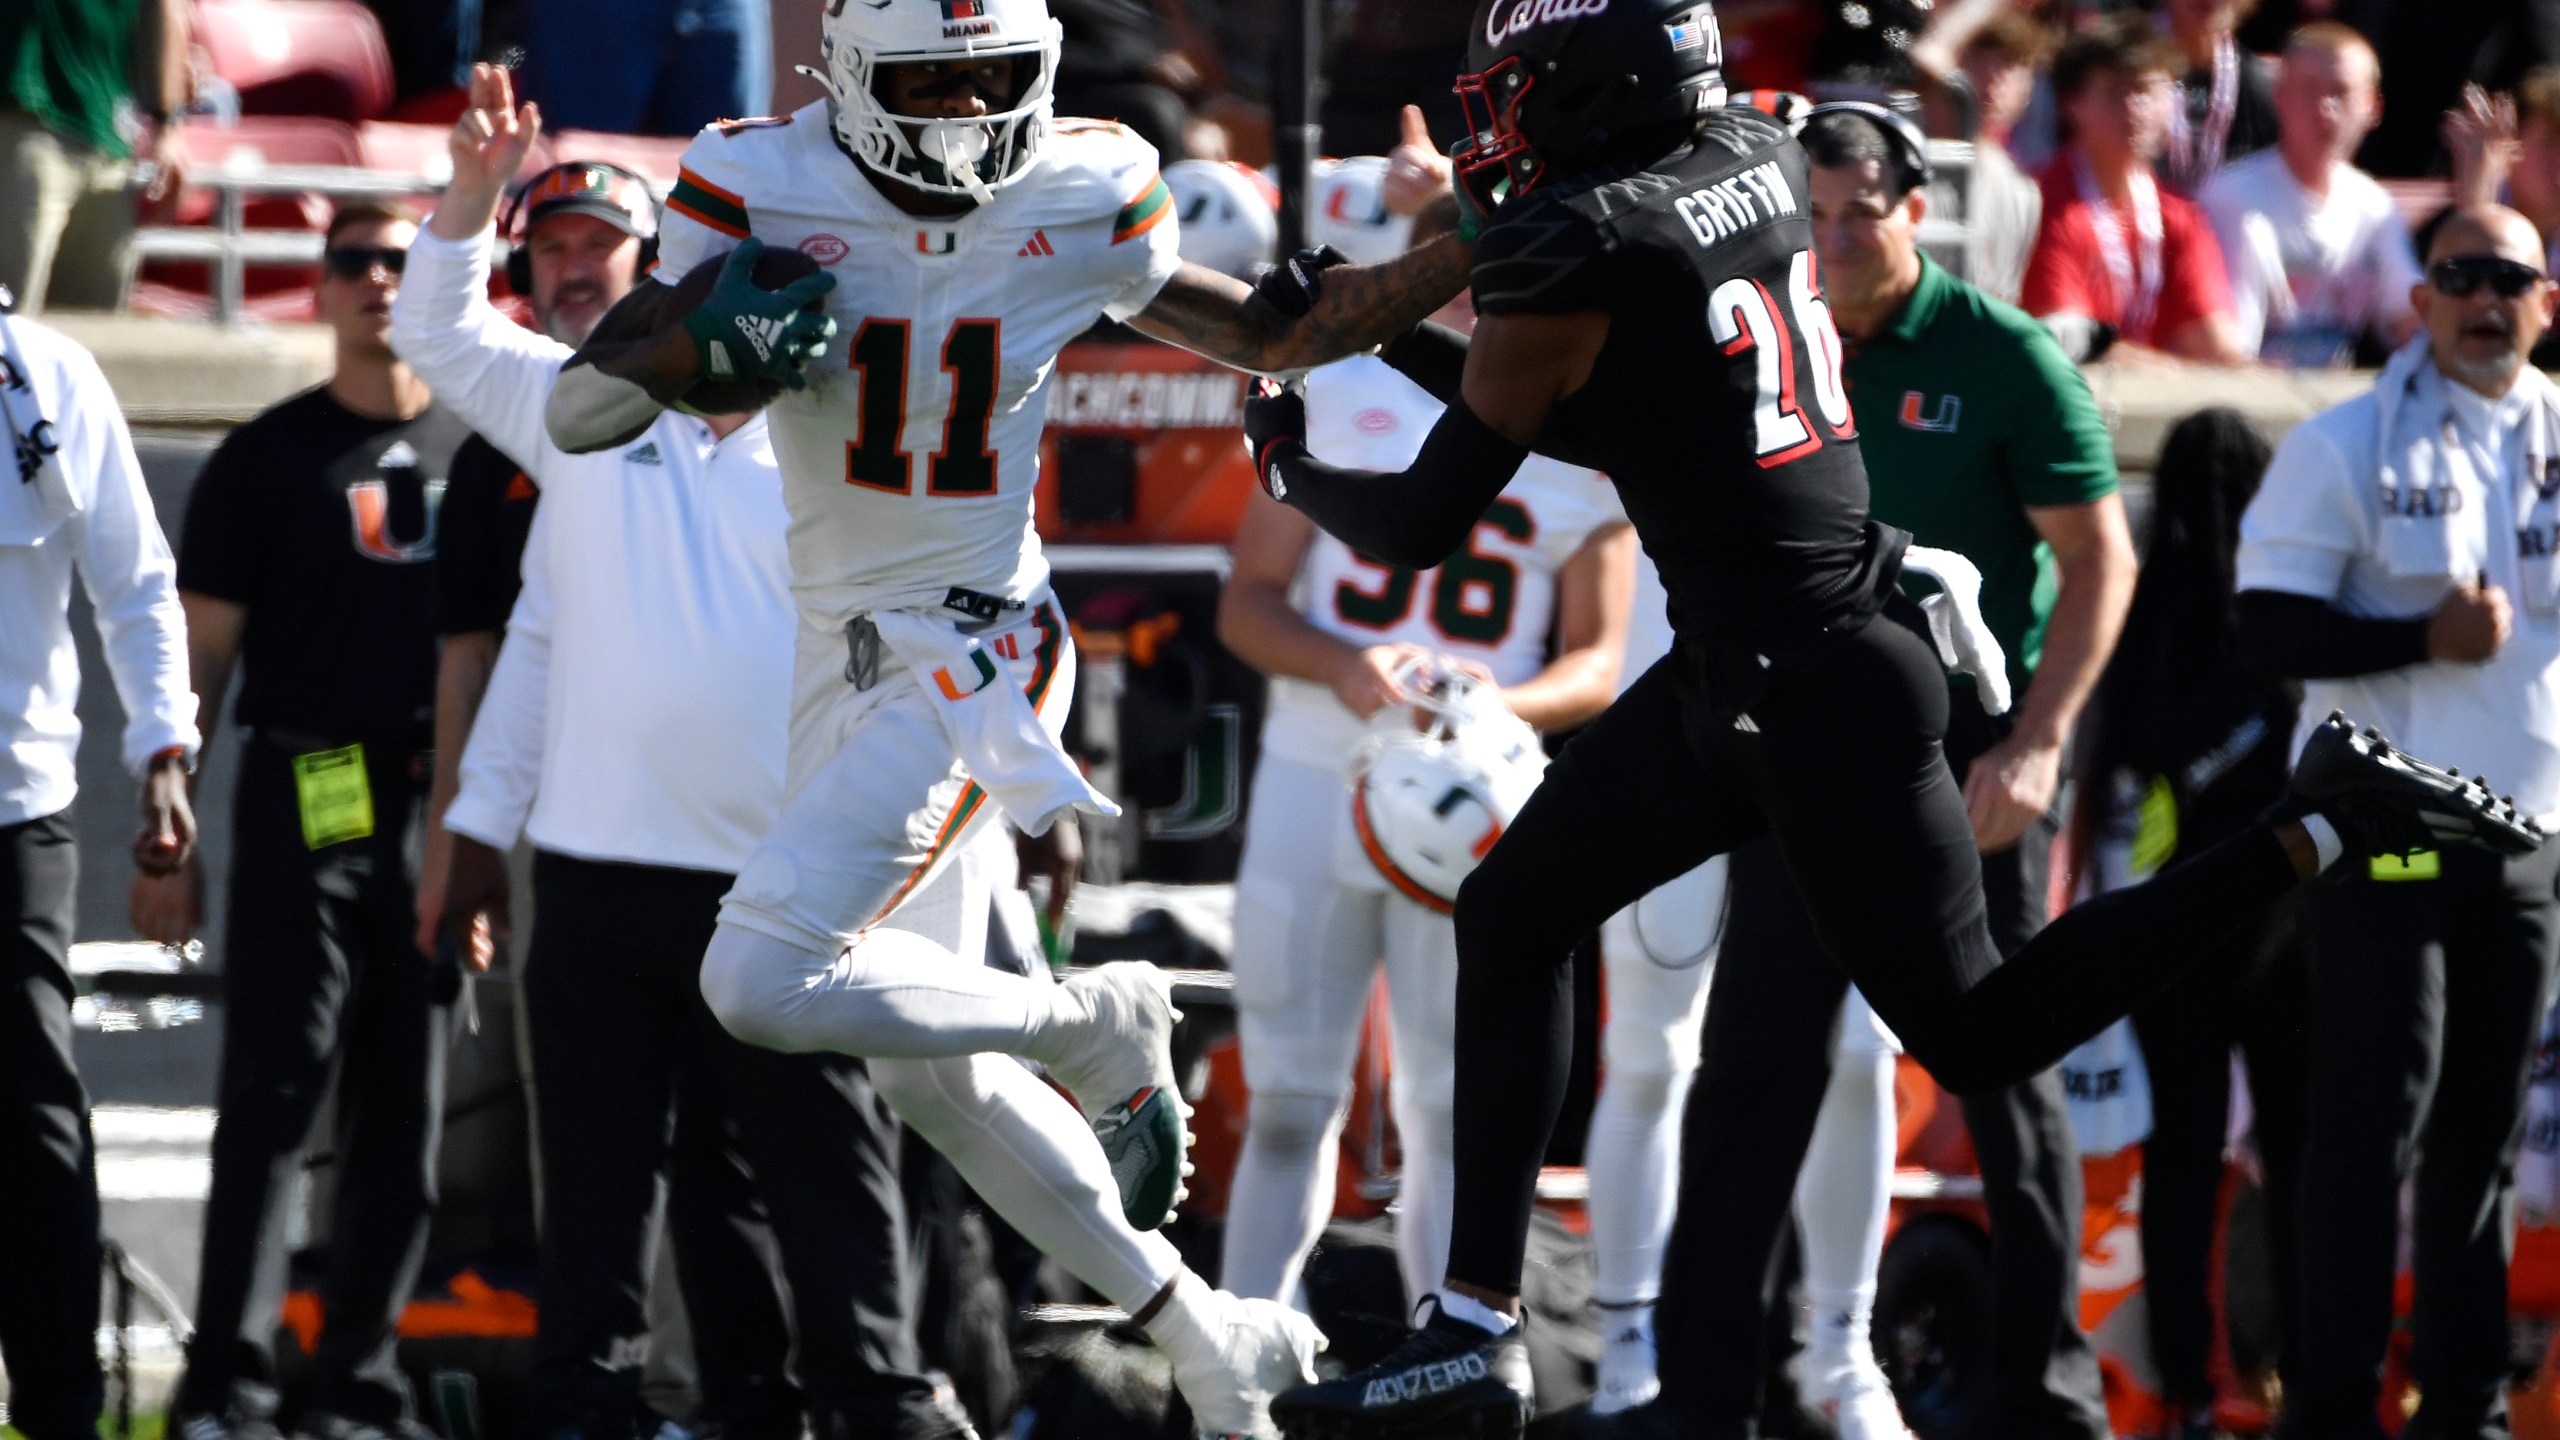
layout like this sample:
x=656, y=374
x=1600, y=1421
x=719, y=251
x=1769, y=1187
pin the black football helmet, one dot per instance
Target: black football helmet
x=1560, y=86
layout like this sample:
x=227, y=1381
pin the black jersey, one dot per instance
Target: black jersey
x=1716, y=404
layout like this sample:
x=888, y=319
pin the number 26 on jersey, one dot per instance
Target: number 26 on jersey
x=1744, y=317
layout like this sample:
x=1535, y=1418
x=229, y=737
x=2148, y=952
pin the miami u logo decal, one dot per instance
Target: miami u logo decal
x=370, y=504
x=950, y=688
x=1944, y=422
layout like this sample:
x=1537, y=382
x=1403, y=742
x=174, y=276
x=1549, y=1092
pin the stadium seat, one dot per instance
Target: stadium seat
x=265, y=140
x=298, y=57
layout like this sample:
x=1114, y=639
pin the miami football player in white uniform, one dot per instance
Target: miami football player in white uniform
x=964, y=237
x=1316, y=915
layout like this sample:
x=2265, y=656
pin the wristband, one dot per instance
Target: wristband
x=171, y=752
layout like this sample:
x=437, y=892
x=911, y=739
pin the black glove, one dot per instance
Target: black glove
x=1292, y=287
x=1275, y=426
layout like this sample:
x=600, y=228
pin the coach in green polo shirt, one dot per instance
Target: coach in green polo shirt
x=1979, y=437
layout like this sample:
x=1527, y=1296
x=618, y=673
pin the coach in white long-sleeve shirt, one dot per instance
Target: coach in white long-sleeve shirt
x=634, y=730
x=80, y=509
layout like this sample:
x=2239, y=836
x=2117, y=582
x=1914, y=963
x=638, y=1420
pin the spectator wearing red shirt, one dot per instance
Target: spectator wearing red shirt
x=2122, y=265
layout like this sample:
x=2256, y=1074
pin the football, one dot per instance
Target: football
x=775, y=268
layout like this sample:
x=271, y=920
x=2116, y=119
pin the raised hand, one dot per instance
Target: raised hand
x=1416, y=170
x=488, y=145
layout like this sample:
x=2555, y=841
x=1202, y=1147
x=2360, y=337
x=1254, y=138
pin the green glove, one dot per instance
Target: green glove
x=1471, y=215
x=742, y=331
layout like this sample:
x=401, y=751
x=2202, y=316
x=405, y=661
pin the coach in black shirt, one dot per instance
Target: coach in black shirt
x=305, y=559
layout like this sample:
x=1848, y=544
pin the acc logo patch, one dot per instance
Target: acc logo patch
x=825, y=249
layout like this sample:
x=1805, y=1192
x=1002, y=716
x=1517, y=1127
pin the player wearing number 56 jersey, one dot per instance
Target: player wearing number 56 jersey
x=961, y=236
x=1318, y=917
x=1648, y=306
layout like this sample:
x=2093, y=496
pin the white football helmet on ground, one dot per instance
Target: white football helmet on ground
x=973, y=157
x=1429, y=803
x=1230, y=215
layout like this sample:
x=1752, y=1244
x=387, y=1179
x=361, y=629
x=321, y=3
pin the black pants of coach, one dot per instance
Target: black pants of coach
x=2253, y=995
x=1771, y=1020
x=48, y=1169
x=320, y=973
x=619, y=1030
x=2426, y=1005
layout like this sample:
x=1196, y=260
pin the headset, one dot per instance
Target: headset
x=1911, y=150
x=556, y=183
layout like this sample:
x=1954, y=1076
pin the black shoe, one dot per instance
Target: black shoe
x=2385, y=801
x=1448, y=1379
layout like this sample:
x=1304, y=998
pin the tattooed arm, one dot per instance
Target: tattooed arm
x=1360, y=308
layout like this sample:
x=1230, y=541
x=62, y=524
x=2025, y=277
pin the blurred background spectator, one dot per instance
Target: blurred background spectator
x=1387, y=55
x=92, y=84
x=2225, y=107
x=432, y=42
x=2186, y=742
x=2435, y=50
x=2002, y=205
x=652, y=67
x=305, y=560
x=1117, y=65
x=2318, y=256
x=2123, y=266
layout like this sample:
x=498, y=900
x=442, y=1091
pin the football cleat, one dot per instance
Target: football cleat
x=1118, y=1064
x=1853, y=1392
x=1449, y=1380
x=2385, y=801
x=1627, y=1377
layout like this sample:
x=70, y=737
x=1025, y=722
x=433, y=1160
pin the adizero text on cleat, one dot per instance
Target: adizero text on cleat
x=1117, y=1061
x=2385, y=801
x=1448, y=1378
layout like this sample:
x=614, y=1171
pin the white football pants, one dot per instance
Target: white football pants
x=857, y=927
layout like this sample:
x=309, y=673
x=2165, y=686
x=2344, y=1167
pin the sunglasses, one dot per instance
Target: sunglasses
x=354, y=262
x=2460, y=277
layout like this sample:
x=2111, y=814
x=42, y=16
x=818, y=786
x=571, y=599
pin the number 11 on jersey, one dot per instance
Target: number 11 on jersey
x=876, y=458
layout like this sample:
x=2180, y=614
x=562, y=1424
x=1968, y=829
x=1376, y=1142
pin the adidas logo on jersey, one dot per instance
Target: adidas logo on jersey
x=1038, y=244
x=761, y=333
x=646, y=455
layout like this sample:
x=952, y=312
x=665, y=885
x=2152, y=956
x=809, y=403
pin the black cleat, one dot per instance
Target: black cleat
x=2385, y=801
x=1449, y=1380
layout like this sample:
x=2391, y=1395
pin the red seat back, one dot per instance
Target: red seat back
x=298, y=57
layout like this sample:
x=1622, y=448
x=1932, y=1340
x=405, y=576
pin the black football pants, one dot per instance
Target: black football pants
x=1841, y=762
x=319, y=971
x=2426, y=1006
x=1771, y=1019
x=621, y=1039
x=48, y=1174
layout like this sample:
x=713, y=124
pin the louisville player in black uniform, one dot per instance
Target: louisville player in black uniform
x=1649, y=308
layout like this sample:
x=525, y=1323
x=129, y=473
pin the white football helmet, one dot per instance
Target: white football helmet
x=1428, y=804
x=1348, y=210
x=1230, y=215
x=973, y=157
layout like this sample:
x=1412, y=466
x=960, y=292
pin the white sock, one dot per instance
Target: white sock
x=1633, y=1159
x=1282, y=1192
x=1475, y=1312
x=2324, y=838
x=1843, y=1197
x=1032, y=1158
x=890, y=995
x=1427, y=1194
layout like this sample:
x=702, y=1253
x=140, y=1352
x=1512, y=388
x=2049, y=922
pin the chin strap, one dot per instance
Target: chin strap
x=979, y=190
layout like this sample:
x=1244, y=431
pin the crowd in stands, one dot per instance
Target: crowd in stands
x=2202, y=181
